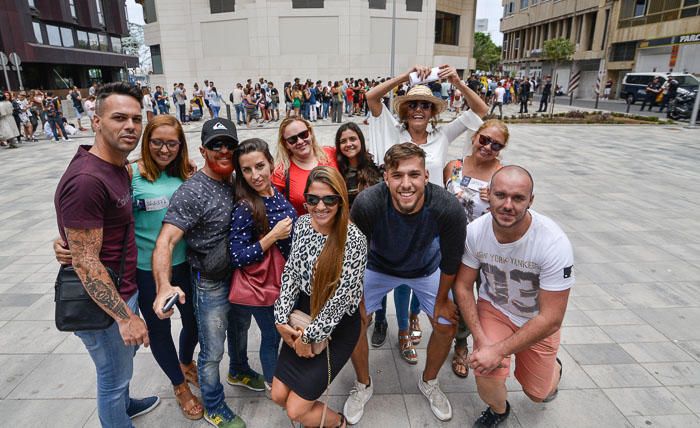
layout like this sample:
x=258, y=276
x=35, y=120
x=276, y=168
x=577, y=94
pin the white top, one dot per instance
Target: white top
x=147, y=103
x=237, y=96
x=214, y=99
x=512, y=274
x=499, y=92
x=385, y=131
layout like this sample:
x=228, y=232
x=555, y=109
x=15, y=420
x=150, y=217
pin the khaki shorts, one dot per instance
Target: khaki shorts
x=534, y=366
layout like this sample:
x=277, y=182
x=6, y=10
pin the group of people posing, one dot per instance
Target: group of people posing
x=309, y=243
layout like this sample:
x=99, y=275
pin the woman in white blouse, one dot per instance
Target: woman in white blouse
x=418, y=112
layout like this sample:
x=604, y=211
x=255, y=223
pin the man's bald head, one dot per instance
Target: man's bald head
x=512, y=175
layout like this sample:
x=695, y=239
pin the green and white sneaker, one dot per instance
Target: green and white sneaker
x=223, y=417
x=253, y=381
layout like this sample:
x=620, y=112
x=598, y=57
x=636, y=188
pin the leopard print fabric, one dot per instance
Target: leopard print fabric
x=306, y=247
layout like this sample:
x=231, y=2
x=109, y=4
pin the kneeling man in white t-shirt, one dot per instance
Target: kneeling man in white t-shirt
x=526, y=264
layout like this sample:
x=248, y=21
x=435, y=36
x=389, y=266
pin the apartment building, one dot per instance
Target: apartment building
x=65, y=42
x=229, y=41
x=613, y=36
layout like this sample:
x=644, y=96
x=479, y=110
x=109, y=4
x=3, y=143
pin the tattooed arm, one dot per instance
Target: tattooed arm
x=85, y=245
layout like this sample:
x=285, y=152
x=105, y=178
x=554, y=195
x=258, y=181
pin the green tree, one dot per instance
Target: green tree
x=134, y=44
x=486, y=53
x=557, y=50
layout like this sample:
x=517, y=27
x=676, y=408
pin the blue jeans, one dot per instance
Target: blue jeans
x=270, y=338
x=324, y=113
x=402, y=294
x=114, y=363
x=306, y=110
x=215, y=110
x=213, y=310
x=240, y=113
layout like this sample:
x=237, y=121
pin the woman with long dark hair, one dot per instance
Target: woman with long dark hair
x=323, y=278
x=260, y=240
x=355, y=163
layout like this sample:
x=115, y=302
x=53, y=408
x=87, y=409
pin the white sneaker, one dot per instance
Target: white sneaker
x=355, y=404
x=439, y=403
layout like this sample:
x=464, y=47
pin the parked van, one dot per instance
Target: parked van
x=634, y=84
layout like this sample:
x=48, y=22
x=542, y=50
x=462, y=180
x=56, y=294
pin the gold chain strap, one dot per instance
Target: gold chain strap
x=328, y=386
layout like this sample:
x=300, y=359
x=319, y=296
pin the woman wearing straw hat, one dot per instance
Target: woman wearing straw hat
x=416, y=110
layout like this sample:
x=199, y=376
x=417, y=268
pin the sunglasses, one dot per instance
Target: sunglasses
x=495, y=145
x=425, y=105
x=328, y=200
x=295, y=138
x=158, y=144
x=220, y=144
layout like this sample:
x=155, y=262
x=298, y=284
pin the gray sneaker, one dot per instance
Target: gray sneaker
x=439, y=403
x=355, y=404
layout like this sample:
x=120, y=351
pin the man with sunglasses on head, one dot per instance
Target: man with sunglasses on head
x=415, y=231
x=200, y=212
x=526, y=264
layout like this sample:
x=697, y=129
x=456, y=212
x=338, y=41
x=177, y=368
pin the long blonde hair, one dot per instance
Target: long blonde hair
x=329, y=264
x=282, y=157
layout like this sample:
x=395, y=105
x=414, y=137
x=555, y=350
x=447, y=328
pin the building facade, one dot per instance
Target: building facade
x=229, y=41
x=62, y=43
x=612, y=37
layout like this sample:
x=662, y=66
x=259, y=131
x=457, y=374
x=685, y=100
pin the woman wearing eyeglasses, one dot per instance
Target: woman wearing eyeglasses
x=298, y=153
x=164, y=165
x=323, y=278
x=468, y=179
x=416, y=110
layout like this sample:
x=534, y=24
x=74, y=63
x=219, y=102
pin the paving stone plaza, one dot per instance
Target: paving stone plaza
x=627, y=196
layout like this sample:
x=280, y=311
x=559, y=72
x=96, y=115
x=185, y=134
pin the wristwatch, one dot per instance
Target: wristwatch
x=305, y=340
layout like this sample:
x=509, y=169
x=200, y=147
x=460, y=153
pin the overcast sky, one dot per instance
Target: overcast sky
x=489, y=9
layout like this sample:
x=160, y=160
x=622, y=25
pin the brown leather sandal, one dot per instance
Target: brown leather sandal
x=190, y=372
x=460, y=364
x=189, y=404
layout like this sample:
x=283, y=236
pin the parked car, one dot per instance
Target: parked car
x=634, y=84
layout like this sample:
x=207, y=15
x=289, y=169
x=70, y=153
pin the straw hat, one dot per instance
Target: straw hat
x=420, y=93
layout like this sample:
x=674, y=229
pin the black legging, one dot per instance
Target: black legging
x=159, y=333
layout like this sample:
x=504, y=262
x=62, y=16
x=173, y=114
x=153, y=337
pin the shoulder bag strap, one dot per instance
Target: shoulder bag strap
x=286, y=183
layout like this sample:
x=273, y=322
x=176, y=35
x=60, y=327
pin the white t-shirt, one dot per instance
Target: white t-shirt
x=385, y=131
x=500, y=92
x=512, y=274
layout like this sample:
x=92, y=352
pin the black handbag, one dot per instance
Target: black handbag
x=75, y=309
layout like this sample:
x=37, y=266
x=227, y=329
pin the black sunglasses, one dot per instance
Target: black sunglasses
x=495, y=145
x=295, y=138
x=217, y=145
x=425, y=105
x=328, y=200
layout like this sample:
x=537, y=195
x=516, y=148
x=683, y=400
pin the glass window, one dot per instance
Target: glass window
x=67, y=36
x=37, y=32
x=222, y=6
x=31, y=3
x=95, y=73
x=414, y=5
x=446, y=28
x=83, y=42
x=73, y=13
x=100, y=15
x=303, y=4
x=103, y=42
x=94, y=41
x=640, y=7
x=54, y=35
x=116, y=44
x=523, y=4
x=377, y=4
x=156, y=60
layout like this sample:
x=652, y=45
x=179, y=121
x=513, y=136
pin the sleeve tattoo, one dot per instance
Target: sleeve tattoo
x=85, y=245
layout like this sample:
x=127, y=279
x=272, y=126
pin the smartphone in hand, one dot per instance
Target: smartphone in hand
x=170, y=302
x=415, y=79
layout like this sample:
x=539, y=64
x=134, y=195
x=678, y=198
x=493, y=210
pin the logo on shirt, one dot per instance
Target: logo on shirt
x=219, y=126
x=567, y=271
